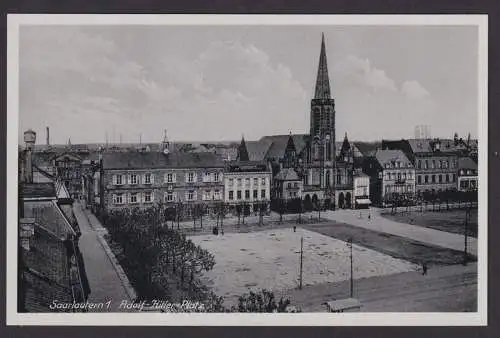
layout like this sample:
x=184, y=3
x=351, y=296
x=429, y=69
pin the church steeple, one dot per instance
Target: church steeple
x=242, y=151
x=322, y=81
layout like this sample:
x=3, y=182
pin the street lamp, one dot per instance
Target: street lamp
x=351, y=284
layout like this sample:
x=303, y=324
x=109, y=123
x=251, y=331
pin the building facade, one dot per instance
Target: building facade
x=247, y=185
x=392, y=176
x=361, y=190
x=287, y=185
x=467, y=174
x=182, y=181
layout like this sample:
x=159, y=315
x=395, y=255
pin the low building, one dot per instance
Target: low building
x=183, y=181
x=361, y=190
x=247, y=184
x=467, y=174
x=287, y=185
x=392, y=176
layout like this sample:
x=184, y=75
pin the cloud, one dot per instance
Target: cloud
x=84, y=85
x=414, y=90
x=356, y=72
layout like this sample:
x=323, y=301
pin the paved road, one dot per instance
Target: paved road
x=443, y=289
x=103, y=279
x=415, y=232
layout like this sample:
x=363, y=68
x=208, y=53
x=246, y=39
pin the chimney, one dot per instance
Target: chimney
x=29, y=140
x=48, y=137
x=26, y=232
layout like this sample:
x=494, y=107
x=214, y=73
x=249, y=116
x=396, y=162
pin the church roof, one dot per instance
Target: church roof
x=287, y=174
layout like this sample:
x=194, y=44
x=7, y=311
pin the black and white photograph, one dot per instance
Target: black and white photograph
x=314, y=166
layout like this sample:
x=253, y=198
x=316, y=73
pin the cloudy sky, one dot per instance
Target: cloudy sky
x=217, y=83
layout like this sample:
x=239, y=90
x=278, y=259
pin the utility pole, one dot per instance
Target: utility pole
x=301, y=259
x=351, y=278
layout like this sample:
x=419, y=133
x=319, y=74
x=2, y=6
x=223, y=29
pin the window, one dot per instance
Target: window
x=447, y=178
x=247, y=182
x=289, y=185
x=147, y=179
x=255, y=194
x=216, y=177
x=440, y=178
x=206, y=195
x=133, y=197
x=231, y=194
x=419, y=164
x=404, y=176
x=247, y=194
x=296, y=184
x=169, y=197
x=231, y=182
x=399, y=176
x=433, y=177
x=239, y=182
x=426, y=166
x=393, y=176
x=206, y=177
x=170, y=178
x=147, y=197
x=119, y=179
x=217, y=194
x=190, y=177
x=419, y=179
x=468, y=172
x=445, y=164
x=118, y=198
x=439, y=164
x=461, y=172
x=133, y=179
x=255, y=181
x=426, y=179
x=453, y=178
x=387, y=165
x=238, y=194
x=388, y=176
x=263, y=193
x=433, y=164
x=290, y=194
x=190, y=196
x=263, y=181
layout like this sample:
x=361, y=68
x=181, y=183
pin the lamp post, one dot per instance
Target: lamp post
x=351, y=284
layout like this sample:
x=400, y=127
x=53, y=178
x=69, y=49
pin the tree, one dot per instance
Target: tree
x=238, y=212
x=261, y=301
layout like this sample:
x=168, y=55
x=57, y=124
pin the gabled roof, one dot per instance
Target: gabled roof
x=257, y=150
x=48, y=215
x=37, y=190
x=152, y=160
x=367, y=148
x=391, y=156
x=287, y=174
x=466, y=163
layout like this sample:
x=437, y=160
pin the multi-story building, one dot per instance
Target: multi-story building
x=50, y=264
x=141, y=179
x=361, y=189
x=247, y=184
x=287, y=185
x=392, y=176
x=435, y=163
x=467, y=174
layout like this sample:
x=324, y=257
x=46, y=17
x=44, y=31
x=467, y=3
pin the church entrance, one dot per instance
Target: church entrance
x=307, y=203
x=341, y=200
x=348, y=199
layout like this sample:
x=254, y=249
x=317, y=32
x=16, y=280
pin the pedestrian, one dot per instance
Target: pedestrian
x=294, y=228
x=424, y=268
x=369, y=216
x=360, y=215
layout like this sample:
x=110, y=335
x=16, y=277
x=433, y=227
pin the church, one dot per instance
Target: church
x=325, y=167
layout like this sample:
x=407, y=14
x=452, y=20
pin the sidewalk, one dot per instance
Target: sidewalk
x=105, y=282
x=415, y=232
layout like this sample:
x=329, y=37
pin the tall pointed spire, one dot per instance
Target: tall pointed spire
x=242, y=151
x=322, y=81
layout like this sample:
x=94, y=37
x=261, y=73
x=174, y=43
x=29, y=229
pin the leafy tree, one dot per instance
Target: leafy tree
x=261, y=301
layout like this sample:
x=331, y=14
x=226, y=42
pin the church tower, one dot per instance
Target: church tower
x=322, y=117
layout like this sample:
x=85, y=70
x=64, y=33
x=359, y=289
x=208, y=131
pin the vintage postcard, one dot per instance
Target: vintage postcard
x=247, y=170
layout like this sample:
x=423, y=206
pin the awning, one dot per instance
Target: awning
x=363, y=201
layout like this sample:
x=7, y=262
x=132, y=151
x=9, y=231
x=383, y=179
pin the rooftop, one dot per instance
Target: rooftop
x=391, y=156
x=287, y=174
x=147, y=160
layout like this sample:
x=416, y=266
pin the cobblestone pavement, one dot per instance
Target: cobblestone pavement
x=418, y=233
x=106, y=286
